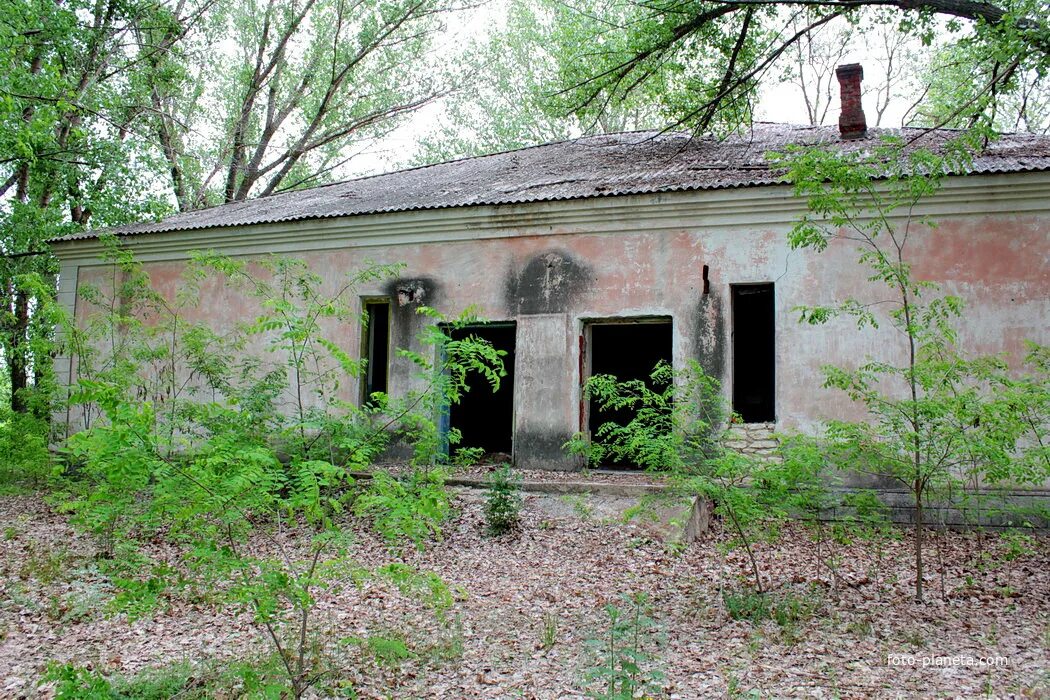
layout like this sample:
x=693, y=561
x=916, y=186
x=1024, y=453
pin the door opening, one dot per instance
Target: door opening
x=486, y=418
x=754, y=353
x=627, y=349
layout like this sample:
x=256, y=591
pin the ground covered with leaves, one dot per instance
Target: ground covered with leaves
x=530, y=616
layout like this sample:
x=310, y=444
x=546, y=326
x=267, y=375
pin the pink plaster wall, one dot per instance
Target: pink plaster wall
x=997, y=264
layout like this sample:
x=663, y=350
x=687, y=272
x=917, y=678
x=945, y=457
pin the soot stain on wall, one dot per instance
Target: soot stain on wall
x=406, y=295
x=709, y=336
x=548, y=283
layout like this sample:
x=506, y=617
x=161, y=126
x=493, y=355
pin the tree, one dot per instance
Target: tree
x=106, y=105
x=508, y=97
x=73, y=147
x=891, y=75
x=938, y=419
x=716, y=53
x=294, y=91
x=957, y=96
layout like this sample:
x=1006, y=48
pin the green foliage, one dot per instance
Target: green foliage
x=190, y=437
x=467, y=456
x=676, y=418
x=625, y=652
x=549, y=636
x=786, y=609
x=45, y=565
x=388, y=651
x=281, y=95
x=502, y=502
x=940, y=422
x=581, y=506
x=72, y=157
x=201, y=681
x=25, y=460
x=510, y=94
x=425, y=586
x=77, y=683
x=706, y=63
x=677, y=427
x=410, y=507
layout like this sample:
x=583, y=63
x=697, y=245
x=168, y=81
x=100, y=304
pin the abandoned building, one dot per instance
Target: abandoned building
x=606, y=254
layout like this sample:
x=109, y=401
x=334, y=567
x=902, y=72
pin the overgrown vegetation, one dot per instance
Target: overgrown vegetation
x=941, y=421
x=502, y=501
x=189, y=438
x=677, y=427
x=948, y=425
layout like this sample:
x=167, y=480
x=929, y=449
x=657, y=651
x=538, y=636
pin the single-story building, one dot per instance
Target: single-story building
x=605, y=254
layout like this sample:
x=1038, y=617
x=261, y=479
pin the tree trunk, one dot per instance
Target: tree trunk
x=918, y=540
x=17, y=361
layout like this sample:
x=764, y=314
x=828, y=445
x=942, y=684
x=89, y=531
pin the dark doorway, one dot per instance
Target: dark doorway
x=626, y=350
x=375, y=347
x=486, y=418
x=754, y=356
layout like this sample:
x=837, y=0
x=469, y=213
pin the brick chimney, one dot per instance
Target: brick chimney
x=852, y=124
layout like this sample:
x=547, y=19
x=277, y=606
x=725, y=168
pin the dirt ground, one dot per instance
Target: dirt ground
x=528, y=602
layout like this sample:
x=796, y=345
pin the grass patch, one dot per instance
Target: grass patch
x=787, y=609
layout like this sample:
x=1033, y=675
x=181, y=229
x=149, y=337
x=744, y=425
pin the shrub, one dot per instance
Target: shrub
x=678, y=428
x=502, y=502
x=25, y=460
x=409, y=507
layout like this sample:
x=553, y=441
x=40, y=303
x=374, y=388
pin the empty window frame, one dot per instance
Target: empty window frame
x=754, y=352
x=375, y=347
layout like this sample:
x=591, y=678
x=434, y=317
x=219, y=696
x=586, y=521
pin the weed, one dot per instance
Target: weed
x=859, y=628
x=449, y=645
x=914, y=638
x=735, y=692
x=78, y=683
x=467, y=456
x=625, y=665
x=786, y=609
x=502, y=502
x=388, y=650
x=676, y=548
x=581, y=507
x=549, y=636
x=10, y=533
x=44, y=565
x=1017, y=545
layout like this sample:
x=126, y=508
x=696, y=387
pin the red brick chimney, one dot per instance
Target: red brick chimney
x=852, y=124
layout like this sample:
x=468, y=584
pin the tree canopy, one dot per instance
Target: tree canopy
x=712, y=56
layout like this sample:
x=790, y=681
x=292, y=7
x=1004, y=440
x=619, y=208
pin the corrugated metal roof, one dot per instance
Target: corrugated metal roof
x=593, y=166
